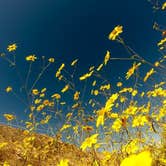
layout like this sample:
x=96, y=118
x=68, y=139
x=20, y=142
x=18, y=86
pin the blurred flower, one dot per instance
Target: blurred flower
x=8, y=89
x=56, y=96
x=65, y=88
x=35, y=92
x=119, y=84
x=12, y=47
x=31, y=58
x=9, y=117
x=63, y=162
x=132, y=70
x=163, y=6
x=115, y=33
x=89, y=141
x=51, y=60
x=148, y=74
x=143, y=158
x=107, y=57
x=73, y=63
x=76, y=95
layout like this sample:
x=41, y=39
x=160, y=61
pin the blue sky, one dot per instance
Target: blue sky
x=69, y=29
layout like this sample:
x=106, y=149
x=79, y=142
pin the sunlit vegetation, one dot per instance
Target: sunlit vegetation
x=126, y=128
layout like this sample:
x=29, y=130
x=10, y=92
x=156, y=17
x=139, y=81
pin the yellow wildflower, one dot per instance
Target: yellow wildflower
x=59, y=70
x=119, y=84
x=94, y=83
x=8, y=89
x=115, y=33
x=31, y=58
x=76, y=95
x=56, y=96
x=107, y=57
x=65, y=88
x=87, y=128
x=139, y=120
x=73, y=63
x=9, y=117
x=63, y=162
x=6, y=163
x=100, y=118
x=51, y=60
x=64, y=127
x=99, y=67
x=87, y=75
x=35, y=92
x=148, y=74
x=40, y=107
x=110, y=102
x=143, y=158
x=117, y=124
x=45, y=121
x=163, y=6
x=105, y=87
x=37, y=101
x=89, y=141
x=96, y=92
x=131, y=71
x=12, y=47
x=43, y=90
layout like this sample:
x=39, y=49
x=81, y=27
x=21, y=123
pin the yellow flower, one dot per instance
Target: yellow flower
x=87, y=128
x=31, y=58
x=65, y=89
x=105, y=87
x=59, y=70
x=119, y=84
x=40, y=107
x=132, y=70
x=117, y=124
x=100, y=118
x=51, y=60
x=64, y=127
x=107, y=57
x=43, y=90
x=110, y=102
x=142, y=159
x=95, y=92
x=87, y=75
x=139, y=120
x=148, y=74
x=9, y=117
x=74, y=62
x=115, y=33
x=45, y=121
x=63, y=162
x=46, y=102
x=6, y=163
x=8, y=89
x=76, y=95
x=12, y=47
x=164, y=6
x=99, y=67
x=94, y=83
x=35, y=92
x=37, y=101
x=131, y=110
x=56, y=96
x=89, y=141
